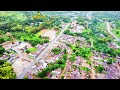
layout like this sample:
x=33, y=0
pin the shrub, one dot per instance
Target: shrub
x=62, y=77
x=46, y=77
x=99, y=68
x=56, y=51
x=110, y=61
x=72, y=58
x=25, y=77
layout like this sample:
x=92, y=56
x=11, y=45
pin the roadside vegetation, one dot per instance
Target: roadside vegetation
x=6, y=70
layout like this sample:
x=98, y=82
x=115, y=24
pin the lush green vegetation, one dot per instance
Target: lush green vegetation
x=5, y=38
x=100, y=44
x=46, y=77
x=118, y=43
x=85, y=69
x=62, y=77
x=66, y=20
x=116, y=32
x=31, y=50
x=6, y=70
x=69, y=33
x=72, y=57
x=27, y=25
x=99, y=68
x=25, y=77
x=107, y=16
x=111, y=60
x=56, y=51
x=85, y=52
x=52, y=66
x=31, y=38
x=2, y=50
x=81, y=21
x=65, y=51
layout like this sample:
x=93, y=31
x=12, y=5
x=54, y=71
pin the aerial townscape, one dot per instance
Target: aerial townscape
x=59, y=45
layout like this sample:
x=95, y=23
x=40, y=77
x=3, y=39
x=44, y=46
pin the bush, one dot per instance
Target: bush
x=62, y=77
x=42, y=74
x=65, y=56
x=46, y=77
x=89, y=62
x=85, y=69
x=56, y=51
x=1, y=40
x=56, y=66
x=2, y=62
x=25, y=77
x=99, y=68
x=65, y=51
x=46, y=40
x=6, y=70
x=2, y=50
x=31, y=50
x=72, y=58
x=62, y=66
x=27, y=51
x=60, y=62
x=111, y=60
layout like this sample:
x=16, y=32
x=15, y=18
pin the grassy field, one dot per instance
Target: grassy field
x=116, y=32
x=58, y=32
x=118, y=43
x=32, y=50
x=17, y=15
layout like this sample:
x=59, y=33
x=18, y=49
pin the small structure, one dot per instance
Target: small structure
x=23, y=46
x=55, y=73
x=8, y=34
x=80, y=28
x=113, y=25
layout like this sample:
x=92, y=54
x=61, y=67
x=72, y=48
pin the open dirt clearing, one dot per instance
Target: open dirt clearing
x=48, y=33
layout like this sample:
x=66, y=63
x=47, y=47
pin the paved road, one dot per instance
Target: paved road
x=43, y=53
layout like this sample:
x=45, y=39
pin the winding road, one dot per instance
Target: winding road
x=109, y=31
x=41, y=54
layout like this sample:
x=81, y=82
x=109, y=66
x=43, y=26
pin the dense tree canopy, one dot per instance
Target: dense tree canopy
x=2, y=50
x=56, y=50
x=6, y=70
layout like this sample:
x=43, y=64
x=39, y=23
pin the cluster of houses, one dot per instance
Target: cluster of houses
x=40, y=48
x=111, y=71
x=113, y=45
x=51, y=58
x=76, y=27
x=71, y=39
x=74, y=72
x=43, y=63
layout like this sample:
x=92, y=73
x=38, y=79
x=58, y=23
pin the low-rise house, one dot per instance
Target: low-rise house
x=30, y=76
x=102, y=35
x=55, y=73
x=113, y=25
x=4, y=57
x=50, y=61
x=22, y=46
x=34, y=71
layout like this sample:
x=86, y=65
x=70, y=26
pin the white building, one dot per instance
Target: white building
x=80, y=28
